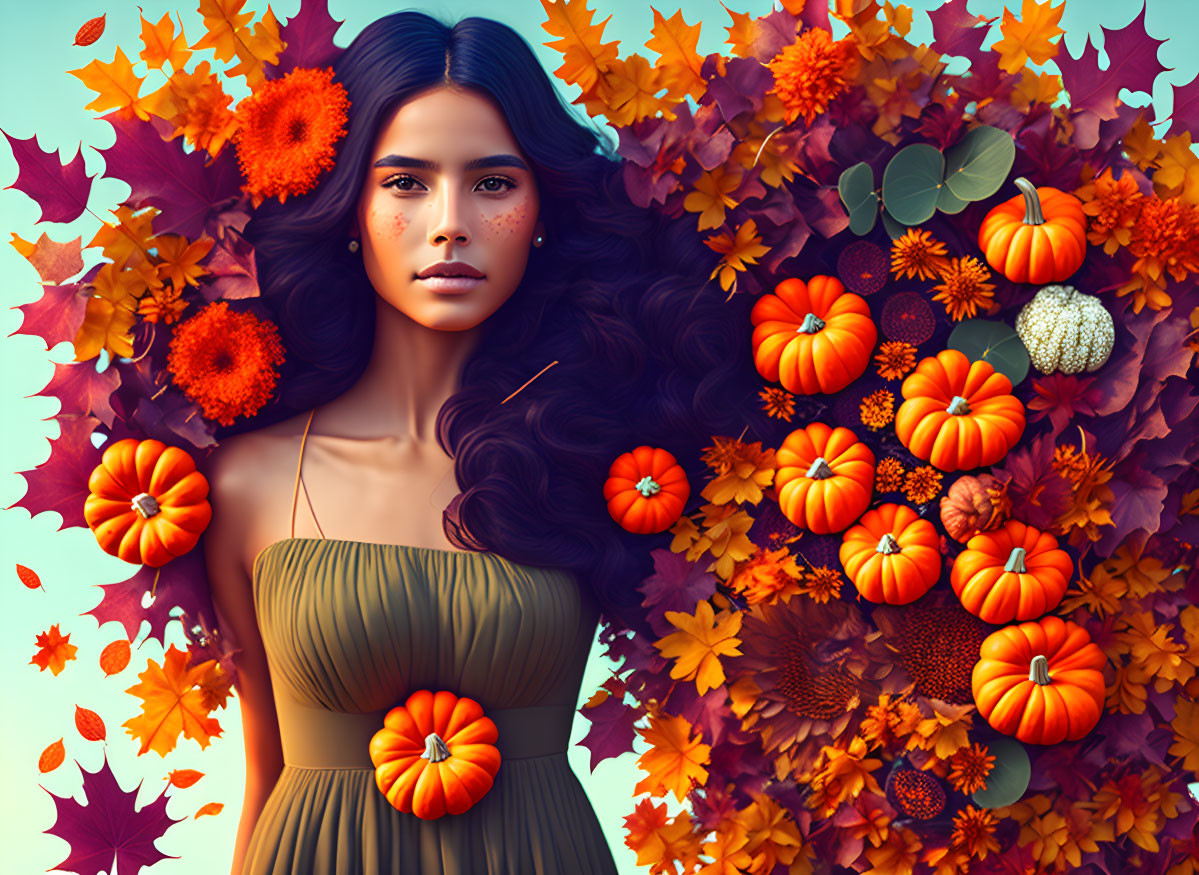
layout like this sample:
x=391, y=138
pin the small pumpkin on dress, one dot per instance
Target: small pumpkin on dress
x=1040, y=681
x=147, y=503
x=1013, y=573
x=958, y=414
x=1065, y=330
x=435, y=754
x=1039, y=236
x=892, y=555
x=825, y=478
x=812, y=337
x=646, y=490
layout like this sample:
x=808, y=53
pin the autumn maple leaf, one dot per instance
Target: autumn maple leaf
x=1028, y=38
x=115, y=85
x=163, y=45
x=739, y=249
x=172, y=703
x=55, y=650
x=700, y=642
x=675, y=759
x=711, y=196
x=679, y=63
x=659, y=842
x=180, y=259
x=585, y=57
x=54, y=262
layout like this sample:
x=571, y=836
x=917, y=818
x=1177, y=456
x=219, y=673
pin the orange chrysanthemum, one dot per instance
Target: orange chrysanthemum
x=201, y=109
x=964, y=288
x=225, y=361
x=890, y=722
x=922, y=484
x=889, y=475
x=917, y=254
x=878, y=409
x=1113, y=205
x=1165, y=239
x=287, y=132
x=777, y=402
x=162, y=304
x=822, y=584
x=974, y=832
x=895, y=359
x=969, y=767
x=810, y=73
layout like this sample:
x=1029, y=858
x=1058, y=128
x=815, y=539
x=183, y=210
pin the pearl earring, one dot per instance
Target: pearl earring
x=353, y=247
x=538, y=240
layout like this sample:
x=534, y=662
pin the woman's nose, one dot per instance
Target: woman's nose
x=448, y=220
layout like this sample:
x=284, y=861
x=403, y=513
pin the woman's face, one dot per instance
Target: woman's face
x=449, y=190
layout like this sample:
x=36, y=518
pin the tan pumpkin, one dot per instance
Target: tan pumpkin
x=1065, y=330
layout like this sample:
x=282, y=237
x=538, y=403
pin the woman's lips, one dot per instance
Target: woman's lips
x=451, y=285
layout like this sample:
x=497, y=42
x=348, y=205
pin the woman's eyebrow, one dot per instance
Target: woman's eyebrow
x=473, y=164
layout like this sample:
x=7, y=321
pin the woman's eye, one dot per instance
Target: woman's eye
x=403, y=183
x=496, y=184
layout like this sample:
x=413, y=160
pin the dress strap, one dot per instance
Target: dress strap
x=296, y=489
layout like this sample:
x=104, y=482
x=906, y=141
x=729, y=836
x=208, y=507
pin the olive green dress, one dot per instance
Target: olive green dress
x=350, y=630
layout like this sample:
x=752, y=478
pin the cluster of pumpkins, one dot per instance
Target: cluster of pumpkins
x=1041, y=679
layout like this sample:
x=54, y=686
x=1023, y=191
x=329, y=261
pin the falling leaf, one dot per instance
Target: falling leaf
x=700, y=642
x=61, y=190
x=739, y=249
x=210, y=808
x=171, y=704
x=54, y=262
x=163, y=45
x=115, y=657
x=115, y=85
x=675, y=760
x=584, y=56
x=51, y=757
x=54, y=651
x=678, y=63
x=29, y=577
x=1028, y=38
x=89, y=724
x=184, y=778
x=90, y=31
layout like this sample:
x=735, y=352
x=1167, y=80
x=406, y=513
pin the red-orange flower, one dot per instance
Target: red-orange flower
x=964, y=288
x=1165, y=239
x=895, y=359
x=287, y=131
x=1113, y=206
x=225, y=361
x=810, y=73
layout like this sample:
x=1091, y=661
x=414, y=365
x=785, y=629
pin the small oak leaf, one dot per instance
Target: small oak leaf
x=584, y=55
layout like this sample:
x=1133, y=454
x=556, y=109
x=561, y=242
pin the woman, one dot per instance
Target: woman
x=387, y=578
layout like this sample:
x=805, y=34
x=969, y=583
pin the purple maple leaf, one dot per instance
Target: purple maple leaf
x=171, y=417
x=81, y=389
x=55, y=317
x=108, y=827
x=772, y=32
x=1138, y=496
x=181, y=584
x=956, y=31
x=1185, y=115
x=1133, y=65
x=740, y=89
x=611, y=732
x=61, y=190
x=675, y=585
x=309, y=39
x=186, y=191
x=60, y=483
x=234, y=273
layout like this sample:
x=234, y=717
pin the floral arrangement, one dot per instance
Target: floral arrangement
x=851, y=669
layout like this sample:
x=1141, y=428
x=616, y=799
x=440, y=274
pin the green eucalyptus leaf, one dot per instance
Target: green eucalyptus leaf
x=948, y=202
x=1008, y=781
x=856, y=187
x=894, y=229
x=996, y=343
x=979, y=163
x=912, y=183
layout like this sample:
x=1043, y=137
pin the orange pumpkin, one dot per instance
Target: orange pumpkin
x=1013, y=573
x=892, y=555
x=814, y=337
x=147, y=502
x=958, y=414
x=1041, y=681
x=435, y=754
x=1039, y=236
x=646, y=490
x=825, y=478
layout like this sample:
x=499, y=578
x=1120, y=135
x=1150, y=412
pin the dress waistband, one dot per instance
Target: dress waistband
x=317, y=738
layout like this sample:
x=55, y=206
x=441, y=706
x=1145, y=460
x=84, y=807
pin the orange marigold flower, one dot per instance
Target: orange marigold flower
x=917, y=254
x=810, y=73
x=878, y=409
x=974, y=832
x=964, y=288
x=163, y=303
x=1165, y=239
x=922, y=484
x=822, y=583
x=287, y=131
x=895, y=359
x=969, y=767
x=890, y=722
x=889, y=475
x=225, y=361
x=778, y=402
x=1113, y=205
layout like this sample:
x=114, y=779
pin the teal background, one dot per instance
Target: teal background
x=37, y=708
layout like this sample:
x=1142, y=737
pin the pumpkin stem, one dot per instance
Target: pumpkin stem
x=1015, y=562
x=1033, y=214
x=435, y=749
x=959, y=406
x=887, y=545
x=811, y=324
x=145, y=504
x=1038, y=670
x=820, y=469
x=647, y=486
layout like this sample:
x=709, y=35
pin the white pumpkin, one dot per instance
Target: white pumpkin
x=1065, y=330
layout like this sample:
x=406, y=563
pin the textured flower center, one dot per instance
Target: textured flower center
x=823, y=697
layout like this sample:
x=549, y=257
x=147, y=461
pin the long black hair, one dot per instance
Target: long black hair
x=648, y=350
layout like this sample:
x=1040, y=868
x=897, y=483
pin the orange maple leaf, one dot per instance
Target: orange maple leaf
x=197, y=105
x=215, y=683
x=675, y=760
x=257, y=48
x=625, y=92
x=679, y=62
x=584, y=55
x=179, y=259
x=115, y=85
x=171, y=704
x=163, y=45
x=54, y=650
x=739, y=249
x=223, y=19
x=700, y=642
x=54, y=262
x=1028, y=38
x=129, y=240
x=712, y=195
x=658, y=842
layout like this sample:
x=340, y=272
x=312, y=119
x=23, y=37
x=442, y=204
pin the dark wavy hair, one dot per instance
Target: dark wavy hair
x=648, y=351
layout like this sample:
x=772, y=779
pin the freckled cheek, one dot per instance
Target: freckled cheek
x=509, y=221
x=386, y=225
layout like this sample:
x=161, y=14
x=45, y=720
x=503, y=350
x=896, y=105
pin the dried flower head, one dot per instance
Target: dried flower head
x=922, y=484
x=810, y=73
x=917, y=254
x=889, y=475
x=777, y=402
x=964, y=288
x=895, y=359
x=862, y=267
x=936, y=641
x=969, y=767
x=878, y=409
x=822, y=583
x=908, y=317
x=917, y=794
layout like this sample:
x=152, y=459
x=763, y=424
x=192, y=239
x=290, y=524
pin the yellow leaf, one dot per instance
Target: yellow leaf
x=739, y=250
x=198, y=107
x=115, y=85
x=679, y=62
x=223, y=20
x=711, y=197
x=1178, y=170
x=1028, y=38
x=171, y=705
x=105, y=326
x=699, y=644
x=179, y=259
x=129, y=239
x=584, y=56
x=1140, y=146
x=122, y=285
x=22, y=246
x=1036, y=88
x=162, y=45
x=1186, y=733
x=675, y=759
x=257, y=48
x=742, y=33
x=625, y=92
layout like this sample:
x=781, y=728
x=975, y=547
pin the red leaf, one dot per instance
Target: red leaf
x=181, y=583
x=675, y=585
x=308, y=36
x=109, y=825
x=1132, y=55
x=210, y=808
x=1060, y=397
x=91, y=31
x=82, y=389
x=56, y=316
x=60, y=483
x=89, y=724
x=184, y=778
x=51, y=757
x=611, y=732
x=115, y=657
x=61, y=190
x=29, y=577
x=955, y=30
x=1185, y=114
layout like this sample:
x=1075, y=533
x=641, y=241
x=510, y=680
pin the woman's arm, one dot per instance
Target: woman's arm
x=232, y=596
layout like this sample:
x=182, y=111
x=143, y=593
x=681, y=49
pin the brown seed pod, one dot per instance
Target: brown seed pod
x=91, y=31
